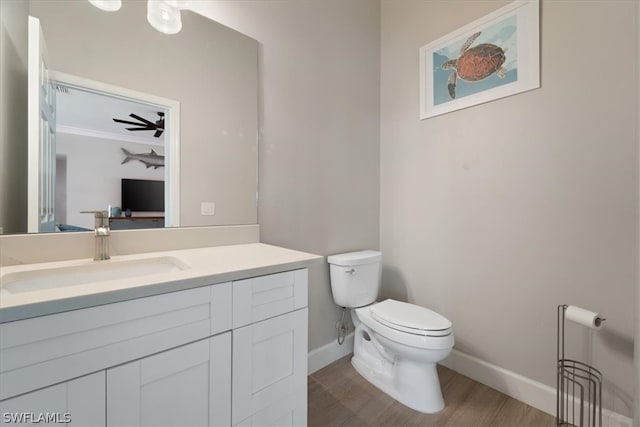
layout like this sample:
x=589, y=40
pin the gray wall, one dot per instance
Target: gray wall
x=319, y=153
x=636, y=405
x=13, y=109
x=495, y=214
x=210, y=69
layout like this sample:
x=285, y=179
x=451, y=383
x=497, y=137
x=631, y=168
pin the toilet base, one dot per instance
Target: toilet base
x=414, y=384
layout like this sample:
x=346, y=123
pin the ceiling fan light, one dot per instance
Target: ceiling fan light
x=108, y=5
x=164, y=17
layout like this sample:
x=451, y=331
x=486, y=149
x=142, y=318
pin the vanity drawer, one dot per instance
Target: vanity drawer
x=45, y=350
x=268, y=296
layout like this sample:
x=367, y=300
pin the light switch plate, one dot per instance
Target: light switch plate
x=207, y=208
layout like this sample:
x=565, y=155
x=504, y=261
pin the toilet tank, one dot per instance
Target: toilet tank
x=355, y=278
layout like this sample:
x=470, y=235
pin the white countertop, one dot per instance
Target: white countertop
x=206, y=266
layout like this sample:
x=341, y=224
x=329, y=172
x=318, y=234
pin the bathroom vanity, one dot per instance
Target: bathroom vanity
x=221, y=339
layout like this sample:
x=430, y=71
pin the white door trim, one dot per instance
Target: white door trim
x=172, y=129
x=40, y=134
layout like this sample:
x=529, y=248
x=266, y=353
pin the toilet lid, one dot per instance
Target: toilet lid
x=410, y=318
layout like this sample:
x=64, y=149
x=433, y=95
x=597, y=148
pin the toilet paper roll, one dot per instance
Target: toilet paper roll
x=583, y=317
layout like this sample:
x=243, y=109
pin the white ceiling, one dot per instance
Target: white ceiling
x=88, y=113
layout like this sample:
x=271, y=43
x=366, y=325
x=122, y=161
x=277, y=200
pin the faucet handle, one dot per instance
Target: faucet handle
x=101, y=216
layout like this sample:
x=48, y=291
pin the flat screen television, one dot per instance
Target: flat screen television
x=142, y=195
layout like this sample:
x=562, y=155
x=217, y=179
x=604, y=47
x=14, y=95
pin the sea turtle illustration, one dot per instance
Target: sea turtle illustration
x=475, y=63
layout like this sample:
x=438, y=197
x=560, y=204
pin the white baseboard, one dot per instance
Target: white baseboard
x=524, y=389
x=327, y=354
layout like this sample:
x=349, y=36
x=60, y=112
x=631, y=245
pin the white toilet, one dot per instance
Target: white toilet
x=396, y=344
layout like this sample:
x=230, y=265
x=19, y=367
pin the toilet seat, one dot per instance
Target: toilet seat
x=410, y=318
x=418, y=340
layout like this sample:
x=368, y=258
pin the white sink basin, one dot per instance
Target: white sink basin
x=86, y=273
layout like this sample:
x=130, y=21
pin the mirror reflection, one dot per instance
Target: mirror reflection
x=209, y=70
x=120, y=165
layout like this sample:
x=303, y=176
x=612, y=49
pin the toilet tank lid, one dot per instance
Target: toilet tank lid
x=355, y=258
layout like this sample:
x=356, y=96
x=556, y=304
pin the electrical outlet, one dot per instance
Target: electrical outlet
x=207, y=208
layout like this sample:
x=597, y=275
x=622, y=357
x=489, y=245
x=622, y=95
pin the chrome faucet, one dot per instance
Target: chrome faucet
x=102, y=233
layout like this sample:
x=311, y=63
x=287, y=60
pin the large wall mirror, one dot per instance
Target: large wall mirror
x=206, y=75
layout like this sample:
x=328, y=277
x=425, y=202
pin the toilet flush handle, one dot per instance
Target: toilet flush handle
x=351, y=271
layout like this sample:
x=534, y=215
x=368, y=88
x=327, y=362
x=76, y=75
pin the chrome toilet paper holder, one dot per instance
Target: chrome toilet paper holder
x=579, y=386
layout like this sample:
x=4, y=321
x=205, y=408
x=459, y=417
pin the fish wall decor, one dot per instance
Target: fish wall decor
x=150, y=159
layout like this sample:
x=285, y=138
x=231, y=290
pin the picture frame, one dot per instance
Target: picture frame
x=492, y=57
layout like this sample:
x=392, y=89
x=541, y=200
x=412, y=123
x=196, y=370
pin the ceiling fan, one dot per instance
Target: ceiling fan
x=144, y=124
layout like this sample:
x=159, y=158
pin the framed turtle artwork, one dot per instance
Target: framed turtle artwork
x=492, y=57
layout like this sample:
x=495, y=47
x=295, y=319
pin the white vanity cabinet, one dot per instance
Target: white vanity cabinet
x=78, y=402
x=270, y=372
x=270, y=350
x=233, y=353
x=186, y=386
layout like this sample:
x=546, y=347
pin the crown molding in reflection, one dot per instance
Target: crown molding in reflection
x=107, y=135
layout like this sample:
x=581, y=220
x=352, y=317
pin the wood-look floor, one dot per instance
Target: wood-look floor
x=339, y=396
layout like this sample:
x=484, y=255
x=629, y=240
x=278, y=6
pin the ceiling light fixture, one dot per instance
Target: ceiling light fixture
x=163, y=15
x=180, y=4
x=108, y=5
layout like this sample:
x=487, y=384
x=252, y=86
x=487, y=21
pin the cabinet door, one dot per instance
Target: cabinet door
x=288, y=412
x=78, y=402
x=269, y=367
x=186, y=386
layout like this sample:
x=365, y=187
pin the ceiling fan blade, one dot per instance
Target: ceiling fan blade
x=128, y=123
x=145, y=128
x=135, y=116
x=158, y=133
